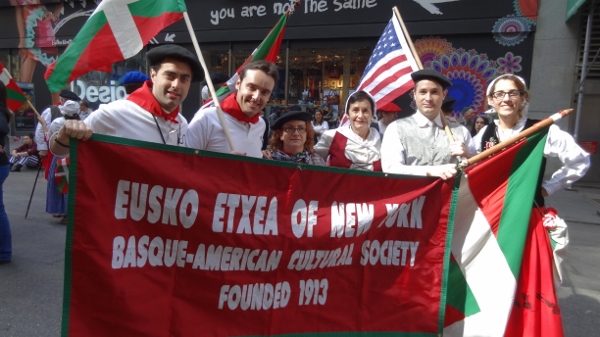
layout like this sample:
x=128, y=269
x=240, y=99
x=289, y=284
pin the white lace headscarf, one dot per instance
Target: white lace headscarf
x=525, y=106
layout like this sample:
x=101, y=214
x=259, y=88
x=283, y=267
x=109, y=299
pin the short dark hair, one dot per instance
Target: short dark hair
x=267, y=67
x=131, y=87
x=85, y=103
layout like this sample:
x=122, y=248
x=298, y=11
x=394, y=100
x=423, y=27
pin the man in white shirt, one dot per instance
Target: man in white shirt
x=242, y=114
x=150, y=113
x=418, y=145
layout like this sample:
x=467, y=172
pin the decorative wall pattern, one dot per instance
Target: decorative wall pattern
x=469, y=70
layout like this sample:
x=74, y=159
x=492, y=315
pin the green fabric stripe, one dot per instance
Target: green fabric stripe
x=222, y=91
x=447, y=253
x=15, y=95
x=460, y=296
x=69, y=241
x=518, y=201
x=152, y=9
x=553, y=243
x=263, y=49
x=68, y=60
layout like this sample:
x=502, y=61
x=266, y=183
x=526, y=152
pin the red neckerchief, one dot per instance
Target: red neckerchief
x=231, y=107
x=146, y=100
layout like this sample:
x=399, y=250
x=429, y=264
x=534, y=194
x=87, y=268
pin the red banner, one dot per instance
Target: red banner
x=167, y=241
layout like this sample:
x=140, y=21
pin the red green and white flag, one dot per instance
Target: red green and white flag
x=61, y=175
x=116, y=30
x=267, y=50
x=501, y=277
x=15, y=96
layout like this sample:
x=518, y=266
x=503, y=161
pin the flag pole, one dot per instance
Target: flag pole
x=407, y=37
x=33, y=108
x=523, y=134
x=413, y=50
x=209, y=82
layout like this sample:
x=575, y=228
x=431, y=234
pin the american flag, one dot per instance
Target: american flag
x=387, y=75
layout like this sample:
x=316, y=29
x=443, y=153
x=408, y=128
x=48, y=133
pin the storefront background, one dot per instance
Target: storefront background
x=326, y=45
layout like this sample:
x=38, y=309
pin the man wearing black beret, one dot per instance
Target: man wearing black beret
x=69, y=95
x=448, y=107
x=150, y=113
x=418, y=145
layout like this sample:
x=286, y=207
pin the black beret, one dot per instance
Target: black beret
x=448, y=103
x=432, y=75
x=157, y=55
x=291, y=116
x=68, y=94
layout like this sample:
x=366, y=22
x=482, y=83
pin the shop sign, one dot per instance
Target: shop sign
x=100, y=94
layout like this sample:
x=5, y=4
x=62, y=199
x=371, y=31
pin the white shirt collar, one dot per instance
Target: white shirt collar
x=423, y=121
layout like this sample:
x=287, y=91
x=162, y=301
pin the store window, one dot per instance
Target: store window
x=100, y=87
x=323, y=77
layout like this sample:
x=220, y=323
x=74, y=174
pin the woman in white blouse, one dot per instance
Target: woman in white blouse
x=356, y=145
x=319, y=125
x=508, y=96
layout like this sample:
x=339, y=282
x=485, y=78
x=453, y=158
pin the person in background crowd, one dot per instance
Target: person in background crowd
x=25, y=155
x=468, y=118
x=480, y=122
x=385, y=118
x=275, y=112
x=241, y=111
x=418, y=145
x=151, y=113
x=133, y=80
x=42, y=134
x=5, y=233
x=49, y=114
x=56, y=202
x=293, y=140
x=85, y=110
x=319, y=124
x=357, y=145
x=510, y=99
x=448, y=107
x=218, y=79
x=266, y=134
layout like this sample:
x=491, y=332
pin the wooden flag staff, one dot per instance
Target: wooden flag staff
x=522, y=135
x=418, y=60
x=209, y=82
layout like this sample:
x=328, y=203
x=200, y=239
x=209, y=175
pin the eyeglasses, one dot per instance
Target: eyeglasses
x=512, y=94
x=292, y=130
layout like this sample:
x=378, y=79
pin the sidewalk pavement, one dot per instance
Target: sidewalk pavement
x=581, y=204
